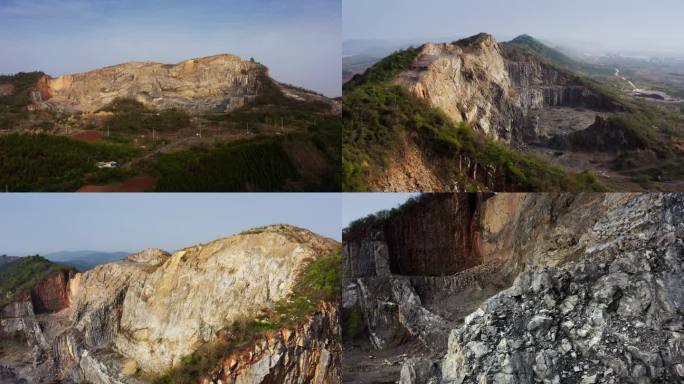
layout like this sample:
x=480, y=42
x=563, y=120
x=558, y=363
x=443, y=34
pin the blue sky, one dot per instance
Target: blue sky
x=358, y=205
x=299, y=40
x=43, y=223
x=608, y=24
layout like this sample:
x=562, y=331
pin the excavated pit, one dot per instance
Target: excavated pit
x=564, y=281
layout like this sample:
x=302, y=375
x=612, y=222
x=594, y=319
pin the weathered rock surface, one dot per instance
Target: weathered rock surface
x=614, y=316
x=599, y=137
x=309, y=353
x=52, y=293
x=216, y=83
x=596, y=286
x=149, y=310
x=495, y=87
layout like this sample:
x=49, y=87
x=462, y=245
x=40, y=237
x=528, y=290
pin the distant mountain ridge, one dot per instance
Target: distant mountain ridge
x=4, y=259
x=84, y=260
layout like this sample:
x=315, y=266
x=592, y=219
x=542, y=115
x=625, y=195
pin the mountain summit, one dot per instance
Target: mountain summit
x=219, y=83
x=216, y=83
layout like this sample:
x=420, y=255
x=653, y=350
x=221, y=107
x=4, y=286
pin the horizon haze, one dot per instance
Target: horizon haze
x=585, y=25
x=299, y=40
x=45, y=223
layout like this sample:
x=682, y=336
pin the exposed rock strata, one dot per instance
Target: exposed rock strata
x=614, y=316
x=52, y=293
x=596, y=298
x=215, y=83
x=149, y=310
x=495, y=87
x=309, y=353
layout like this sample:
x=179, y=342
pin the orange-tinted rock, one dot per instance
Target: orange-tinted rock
x=52, y=293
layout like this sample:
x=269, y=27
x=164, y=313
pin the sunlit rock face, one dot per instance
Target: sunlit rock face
x=146, y=312
x=215, y=83
x=494, y=87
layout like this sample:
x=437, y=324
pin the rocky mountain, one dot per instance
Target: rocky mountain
x=216, y=83
x=557, y=288
x=476, y=114
x=495, y=87
x=133, y=320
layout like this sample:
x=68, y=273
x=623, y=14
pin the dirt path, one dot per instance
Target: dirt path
x=362, y=364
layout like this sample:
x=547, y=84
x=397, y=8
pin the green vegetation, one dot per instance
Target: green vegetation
x=257, y=164
x=23, y=83
x=385, y=69
x=556, y=57
x=44, y=163
x=260, y=164
x=19, y=277
x=13, y=106
x=131, y=116
x=320, y=281
x=378, y=116
x=353, y=324
x=380, y=217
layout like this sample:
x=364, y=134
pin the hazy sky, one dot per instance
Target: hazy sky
x=617, y=24
x=44, y=222
x=358, y=205
x=299, y=40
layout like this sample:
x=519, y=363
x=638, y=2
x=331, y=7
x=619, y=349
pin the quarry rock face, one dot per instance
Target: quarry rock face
x=576, y=288
x=146, y=312
x=614, y=316
x=309, y=353
x=218, y=83
x=495, y=87
x=52, y=293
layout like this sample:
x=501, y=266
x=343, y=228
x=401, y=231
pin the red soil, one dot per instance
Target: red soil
x=140, y=183
x=88, y=136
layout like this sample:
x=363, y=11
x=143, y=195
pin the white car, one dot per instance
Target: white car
x=107, y=164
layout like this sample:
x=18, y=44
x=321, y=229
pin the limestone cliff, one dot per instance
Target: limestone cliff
x=495, y=87
x=216, y=83
x=309, y=353
x=146, y=312
x=587, y=274
x=613, y=315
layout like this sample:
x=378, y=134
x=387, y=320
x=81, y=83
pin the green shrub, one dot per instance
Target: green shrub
x=378, y=115
x=260, y=164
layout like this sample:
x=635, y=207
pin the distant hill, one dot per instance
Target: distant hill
x=557, y=57
x=4, y=259
x=85, y=260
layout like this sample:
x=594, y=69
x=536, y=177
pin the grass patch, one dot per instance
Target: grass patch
x=45, y=163
x=385, y=69
x=320, y=281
